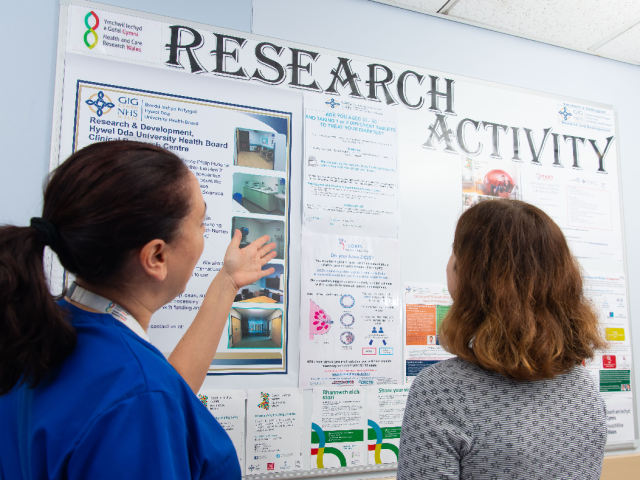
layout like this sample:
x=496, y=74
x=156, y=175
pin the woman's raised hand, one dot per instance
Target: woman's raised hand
x=244, y=265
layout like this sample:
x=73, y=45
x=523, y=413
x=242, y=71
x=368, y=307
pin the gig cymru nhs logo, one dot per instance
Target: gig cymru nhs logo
x=99, y=103
x=90, y=36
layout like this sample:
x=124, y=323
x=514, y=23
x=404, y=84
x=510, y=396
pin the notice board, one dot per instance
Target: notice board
x=371, y=162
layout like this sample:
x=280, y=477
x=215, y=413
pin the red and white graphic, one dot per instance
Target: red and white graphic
x=608, y=361
x=271, y=466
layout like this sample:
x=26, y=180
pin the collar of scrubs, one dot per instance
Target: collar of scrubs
x=104, y=305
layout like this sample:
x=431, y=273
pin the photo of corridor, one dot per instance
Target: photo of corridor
x=254, y=228
x=255, y=328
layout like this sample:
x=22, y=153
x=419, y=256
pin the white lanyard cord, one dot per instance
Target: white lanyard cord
x=103, y=305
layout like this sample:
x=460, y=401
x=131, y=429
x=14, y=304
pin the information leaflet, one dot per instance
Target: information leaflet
x=338, y=426
x=385, y=406
x=351, y=330
x=228, y=409
x=425, y=306
x=274, y=431
x=611, y=369
x=351, y=168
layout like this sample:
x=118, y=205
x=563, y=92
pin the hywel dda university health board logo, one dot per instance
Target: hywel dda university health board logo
x=90, y=36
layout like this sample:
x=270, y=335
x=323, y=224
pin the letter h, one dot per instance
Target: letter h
x=435, y=94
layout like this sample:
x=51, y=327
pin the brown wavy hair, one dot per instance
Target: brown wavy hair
x=519, y=308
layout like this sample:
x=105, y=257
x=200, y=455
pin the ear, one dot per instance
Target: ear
x=153, y=259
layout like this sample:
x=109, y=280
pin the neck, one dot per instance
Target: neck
x=130, y=302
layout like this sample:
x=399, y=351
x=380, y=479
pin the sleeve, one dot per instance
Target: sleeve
x=433, y=440
x=142, y=437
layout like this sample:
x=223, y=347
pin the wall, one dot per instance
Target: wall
x=379, y=31
x=240, y=178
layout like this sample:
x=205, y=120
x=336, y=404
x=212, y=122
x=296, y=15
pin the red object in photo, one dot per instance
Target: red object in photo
x=271, y=466
x=498, y=183
x=608, y=361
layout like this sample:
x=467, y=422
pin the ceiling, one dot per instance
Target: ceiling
x=608, y=28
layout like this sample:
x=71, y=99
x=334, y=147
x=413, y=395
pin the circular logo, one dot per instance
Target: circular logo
x=99, y=103
x=347, y=319
x=347, y=301
x=347, y=338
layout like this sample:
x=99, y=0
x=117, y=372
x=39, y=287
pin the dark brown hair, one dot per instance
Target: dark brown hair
x=519, y=308
x=105, y=201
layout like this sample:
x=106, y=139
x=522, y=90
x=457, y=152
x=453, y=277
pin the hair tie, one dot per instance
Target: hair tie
x=47, y=230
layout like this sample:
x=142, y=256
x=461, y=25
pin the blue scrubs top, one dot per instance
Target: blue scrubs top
x=116, y=409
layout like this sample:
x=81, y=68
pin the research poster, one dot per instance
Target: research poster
x=240, y=153
x=274, y=431
x=337, y=430
x=351, y=168
x=611, y=369
x=425, y=306
x=228, y=409
x=385, y=407
x=351, y=329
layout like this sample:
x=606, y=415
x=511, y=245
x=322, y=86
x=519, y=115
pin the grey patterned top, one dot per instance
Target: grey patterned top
x=463, y=422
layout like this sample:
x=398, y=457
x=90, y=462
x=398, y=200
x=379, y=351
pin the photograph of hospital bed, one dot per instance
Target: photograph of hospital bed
x=254, y=228
x=258, y=194
x=255, y=328
x=269, y=289
x=255, y=149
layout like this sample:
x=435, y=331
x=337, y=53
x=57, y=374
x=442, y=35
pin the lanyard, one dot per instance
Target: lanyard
x=103, y=305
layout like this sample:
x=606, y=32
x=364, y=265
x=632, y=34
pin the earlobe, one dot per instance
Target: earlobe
x=153, y=259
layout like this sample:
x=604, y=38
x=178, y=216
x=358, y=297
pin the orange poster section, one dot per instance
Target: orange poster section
x=421, y=322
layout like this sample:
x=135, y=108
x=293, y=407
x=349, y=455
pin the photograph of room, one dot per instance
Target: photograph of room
x=255, y=328
x=254, y=228
x=256, y=149
x=258, y=194
x=269, y=289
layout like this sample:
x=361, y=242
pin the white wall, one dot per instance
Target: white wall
x=356, y=26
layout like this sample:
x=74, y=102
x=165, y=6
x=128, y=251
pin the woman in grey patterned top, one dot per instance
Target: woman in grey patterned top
x=515, y=403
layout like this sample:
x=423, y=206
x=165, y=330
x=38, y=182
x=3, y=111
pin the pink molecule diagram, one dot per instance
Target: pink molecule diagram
x=319, y=321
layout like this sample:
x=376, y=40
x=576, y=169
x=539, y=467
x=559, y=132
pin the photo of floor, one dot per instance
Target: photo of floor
x=258, y=194
x=255, y=328
x=255, y=149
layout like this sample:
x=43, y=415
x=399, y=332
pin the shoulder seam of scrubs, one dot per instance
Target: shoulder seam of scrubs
x=121, y=334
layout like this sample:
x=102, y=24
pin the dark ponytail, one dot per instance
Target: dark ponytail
x=104, y=202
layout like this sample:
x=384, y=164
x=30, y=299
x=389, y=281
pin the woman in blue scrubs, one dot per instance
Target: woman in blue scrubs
x=83, y=393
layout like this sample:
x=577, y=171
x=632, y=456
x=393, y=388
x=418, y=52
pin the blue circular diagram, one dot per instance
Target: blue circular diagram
x=347, y=301
x=347, y=338
x=347, y=319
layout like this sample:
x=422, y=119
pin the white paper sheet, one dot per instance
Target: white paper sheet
x=274, y=431
x=351, y=329
x=351, y=168
x=385, y=406
x=228, y=409
x=338, y=427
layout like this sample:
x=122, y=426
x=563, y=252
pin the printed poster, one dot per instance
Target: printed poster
x=425, y=306
x=611, y=369
x=385, y=406
x=338, y=426
x=274, y=431
x=240, y=154
x=351, y=329
x=228, y=409
x=351, y=168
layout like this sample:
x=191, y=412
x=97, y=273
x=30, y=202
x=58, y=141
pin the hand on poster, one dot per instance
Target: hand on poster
x=244, y=265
